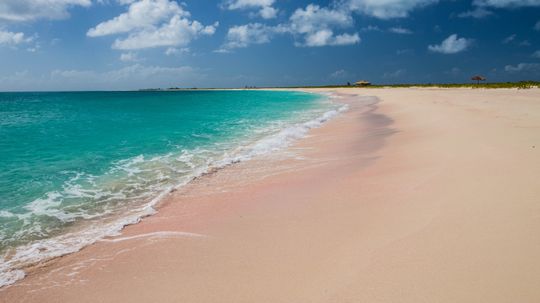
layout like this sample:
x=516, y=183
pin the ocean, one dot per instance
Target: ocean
x=78, y=166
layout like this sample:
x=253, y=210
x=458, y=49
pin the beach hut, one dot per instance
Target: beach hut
x=362, y=83
x=478, y=79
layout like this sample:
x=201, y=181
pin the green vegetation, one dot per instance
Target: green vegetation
x=518, y=85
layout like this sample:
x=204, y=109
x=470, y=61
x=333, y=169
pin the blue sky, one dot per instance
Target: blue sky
x=130, y=44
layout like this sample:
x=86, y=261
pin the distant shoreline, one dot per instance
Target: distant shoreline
x=492, y=85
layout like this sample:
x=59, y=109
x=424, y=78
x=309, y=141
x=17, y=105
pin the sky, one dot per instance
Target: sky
x=62, y=45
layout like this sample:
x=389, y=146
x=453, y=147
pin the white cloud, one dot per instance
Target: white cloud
x=34, y=48
x=451, y=45
x=480, y=6
x=265, y=7
x=522, y=67
x=506, y=3
x=316, y=25
x=129, y=57
x=245, y=35
x=386, y=9
x=313, y=25
x=243, y=4
x=314, y=17
x=478, y=13
x=12, y=38
x=370, y=28
x=178, y=32
x=141, y=14
x=30, y=10
x=152, y=23
x=171, y=51
x=345, y=39
x=268, y=12
x=537, y=26
x=326, y=37
x=400, y=30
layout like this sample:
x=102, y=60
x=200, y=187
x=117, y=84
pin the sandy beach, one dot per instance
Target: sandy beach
x=412, y=195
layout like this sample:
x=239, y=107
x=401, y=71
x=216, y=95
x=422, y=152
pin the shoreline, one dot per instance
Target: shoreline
x=427, y=195
x=117, y=225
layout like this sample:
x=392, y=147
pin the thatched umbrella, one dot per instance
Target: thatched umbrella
x=478, y=79
x=362, y=83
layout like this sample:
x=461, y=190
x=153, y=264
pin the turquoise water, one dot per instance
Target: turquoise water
x=77, y=166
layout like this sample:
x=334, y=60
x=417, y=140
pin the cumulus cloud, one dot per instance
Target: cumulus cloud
x=326, y=37
x=245, y=35
x=536, y=54
x=537, y=26
x=30, y=10
x=400, y=30
x=383, y=9
x=451, y=45
x=315, y=24
x=11, y=38
x=141, y=14
x=152, y=23
x=265, y=7
x=522, y=67
x=178, y=32
x=386, y=9
x=313, y=17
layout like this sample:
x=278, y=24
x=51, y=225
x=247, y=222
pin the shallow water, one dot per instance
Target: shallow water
x=75, y=167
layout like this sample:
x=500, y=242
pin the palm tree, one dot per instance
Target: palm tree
x=478, y=79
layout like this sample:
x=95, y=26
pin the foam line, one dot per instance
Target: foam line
x=157, y=234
